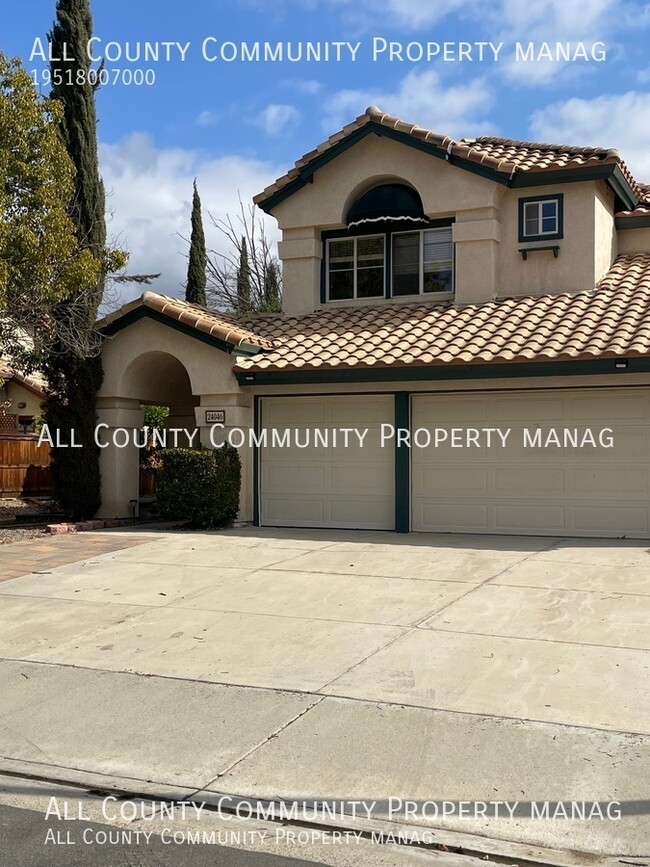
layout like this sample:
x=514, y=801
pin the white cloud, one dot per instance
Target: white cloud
x=275, y=118
x=407, y=14
x=619, y=121
x=207, y=118
x=308, y=86
x=458, y=110
x=149, y=193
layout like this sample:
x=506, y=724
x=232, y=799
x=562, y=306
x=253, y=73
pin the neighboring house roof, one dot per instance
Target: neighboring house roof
x=222, y=328
x=631, y=219
x=610, y=321
x=507, y=160
x=34, y=383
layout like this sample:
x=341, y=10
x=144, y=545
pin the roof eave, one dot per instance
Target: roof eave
x=507, y=175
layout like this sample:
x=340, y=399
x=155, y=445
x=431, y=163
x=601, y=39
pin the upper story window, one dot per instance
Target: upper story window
x=356, y=267
x=541, y=218
x=397, y=263
x=423, y=262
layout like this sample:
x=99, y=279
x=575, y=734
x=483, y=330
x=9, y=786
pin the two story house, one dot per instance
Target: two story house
x=431, y=285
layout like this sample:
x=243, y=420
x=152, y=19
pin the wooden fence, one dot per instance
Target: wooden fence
x=24, y=466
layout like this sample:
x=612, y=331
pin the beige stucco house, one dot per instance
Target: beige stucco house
x=21, y=397
x=431, y=285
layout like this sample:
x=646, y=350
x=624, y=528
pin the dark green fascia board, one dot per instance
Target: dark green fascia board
x=445, y=373
x=611, y=173
x=633, y=222
x=148, y=313
x=402, y=465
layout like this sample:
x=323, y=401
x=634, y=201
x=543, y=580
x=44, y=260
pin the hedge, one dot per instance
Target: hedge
x=200, y=485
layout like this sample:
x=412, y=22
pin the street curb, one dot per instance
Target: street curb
x=487, y=850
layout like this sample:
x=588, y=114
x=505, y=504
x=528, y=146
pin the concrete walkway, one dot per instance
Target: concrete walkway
x=343, y=665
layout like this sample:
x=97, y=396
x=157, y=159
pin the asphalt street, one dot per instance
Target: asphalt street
x=28, y=840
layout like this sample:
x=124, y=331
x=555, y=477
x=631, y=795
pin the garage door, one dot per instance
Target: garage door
x=579, y=491
x=332, y=485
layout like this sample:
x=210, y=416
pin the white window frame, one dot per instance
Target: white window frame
x=539, y=205
x=355, y=239
x=421, y=263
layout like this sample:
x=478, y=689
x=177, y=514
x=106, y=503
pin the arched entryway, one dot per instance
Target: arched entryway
x=150, y=361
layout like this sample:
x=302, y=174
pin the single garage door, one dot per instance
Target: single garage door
x=327, y=485
x=578, y=491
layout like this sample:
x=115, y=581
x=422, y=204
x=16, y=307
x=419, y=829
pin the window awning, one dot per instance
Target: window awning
x=387, y=203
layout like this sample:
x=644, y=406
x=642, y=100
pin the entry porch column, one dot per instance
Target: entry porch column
x=120, y=467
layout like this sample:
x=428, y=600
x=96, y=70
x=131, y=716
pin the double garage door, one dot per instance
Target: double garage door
x=478, y=488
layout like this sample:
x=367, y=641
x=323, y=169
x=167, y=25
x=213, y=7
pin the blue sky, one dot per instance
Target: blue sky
x=238, y=125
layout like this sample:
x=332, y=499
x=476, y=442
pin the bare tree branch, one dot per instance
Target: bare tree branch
x=244, y=234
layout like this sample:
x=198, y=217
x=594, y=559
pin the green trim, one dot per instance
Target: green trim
x=256, y=462
x=550, y=236
x=633, y=222
x=610, y=173
x=402, y=465
x=445, y=372
x=147, y=313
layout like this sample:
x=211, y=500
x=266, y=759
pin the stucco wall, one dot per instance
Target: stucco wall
x=17, y=393
x=634, y=240
x=541, y=273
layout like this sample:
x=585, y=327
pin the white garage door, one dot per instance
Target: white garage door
x=579, y=491
x=327, y=486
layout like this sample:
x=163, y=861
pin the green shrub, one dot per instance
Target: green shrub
x=200, y=485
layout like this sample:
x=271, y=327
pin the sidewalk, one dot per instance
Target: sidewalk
x=163, y=737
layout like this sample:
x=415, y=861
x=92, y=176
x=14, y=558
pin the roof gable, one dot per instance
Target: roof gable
x=505, y=161
x=220, y=329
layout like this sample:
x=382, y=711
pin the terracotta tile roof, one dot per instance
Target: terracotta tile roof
x=609, y=321
x=35, y=382
x=503, y=155
x=216, y=323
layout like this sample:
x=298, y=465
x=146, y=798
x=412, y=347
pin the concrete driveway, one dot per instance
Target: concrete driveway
x=360, y=665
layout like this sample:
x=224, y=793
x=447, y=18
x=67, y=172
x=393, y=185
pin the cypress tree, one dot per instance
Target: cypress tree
x=196, y=280
x=243, y=280
x=73, y=381
x=271, y=287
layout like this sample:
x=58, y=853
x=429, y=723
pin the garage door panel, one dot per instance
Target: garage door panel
x=620, y=519
x=453, y=480
x=302, y=511
x=529, y=517
x=372, y=479
x=465, y=516
x=284, y=478
x=527, y=410
x=328, y=486
x=609, y=482
x=518, y=489
x=615, y=406
x=466, y=410
x=303, y=413
x=362, y=512
x=529, y=482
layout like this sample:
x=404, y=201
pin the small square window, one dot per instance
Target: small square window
x=540, y=218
